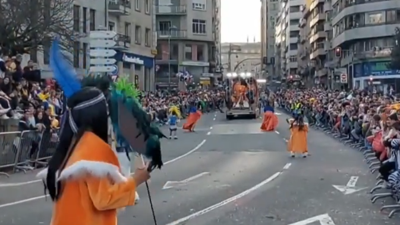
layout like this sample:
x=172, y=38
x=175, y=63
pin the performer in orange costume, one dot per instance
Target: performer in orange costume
x=84, y=177
x=270, y=120
x=298, y=137
x=239, y=92
x=193, y=118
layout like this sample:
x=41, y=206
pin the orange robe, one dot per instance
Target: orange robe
x=298, y=139
x=192, y=120
x=93, y=186
x=270, y=121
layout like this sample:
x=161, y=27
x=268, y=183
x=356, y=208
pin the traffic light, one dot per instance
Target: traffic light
x=338, y=52
x=137, y=81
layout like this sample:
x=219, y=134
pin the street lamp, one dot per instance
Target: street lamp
x=169, y=60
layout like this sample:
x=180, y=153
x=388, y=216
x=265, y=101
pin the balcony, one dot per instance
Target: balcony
x=364, y=31
x=318, y=17
x=123, y=41
x=119, y=7
x=293, y=40
x=171, y=10
x=315, y=3
x=350, y=7
x=318, y=51
x=292, y=65
x=379, y=52
x=317, y=35
x=172, y=34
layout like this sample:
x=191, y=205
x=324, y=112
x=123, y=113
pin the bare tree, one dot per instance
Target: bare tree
x=29, y=25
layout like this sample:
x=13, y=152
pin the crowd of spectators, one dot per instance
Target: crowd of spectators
x=26, y=97
x=367, y=120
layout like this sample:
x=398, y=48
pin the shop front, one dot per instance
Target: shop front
x=376, y=76
x=139, y=69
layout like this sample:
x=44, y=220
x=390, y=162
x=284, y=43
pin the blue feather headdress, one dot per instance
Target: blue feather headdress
x=63, y=71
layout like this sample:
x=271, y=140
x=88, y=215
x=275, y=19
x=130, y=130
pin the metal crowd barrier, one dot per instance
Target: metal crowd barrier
x=26, y=150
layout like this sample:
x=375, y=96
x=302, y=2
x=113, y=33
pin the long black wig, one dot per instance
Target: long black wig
x=92, y=118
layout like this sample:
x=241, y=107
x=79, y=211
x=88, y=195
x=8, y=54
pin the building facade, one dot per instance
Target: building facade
x=135, y=40
x=187, y=31
x=133, y=22
x=305, y=67
x=286, y=33
x=269, y=12
x=363, y=31
x=317, y=38
x=241, y=57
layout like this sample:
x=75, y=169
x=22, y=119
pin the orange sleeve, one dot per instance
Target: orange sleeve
x=106, y=196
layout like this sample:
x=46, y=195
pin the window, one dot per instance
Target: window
x=188, y=52
x=164, y=25
x=200, y=53
x=294, y=33
x=294, y=22
x=147, y=6
x=85, y=50
x=76, y=16
x=293, y=46
x=374, y=18
x=111, y=26
x=391, y=16
x=92, y=19
x=174, y=51
x=84, y=20
x=199, y=27
x=138, y=35
x=137, y=5
x=127, y=29
x=147, y=36
x=76, y=54
x=294, y=9
x=293, y=58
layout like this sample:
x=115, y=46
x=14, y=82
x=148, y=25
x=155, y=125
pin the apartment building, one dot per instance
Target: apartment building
x=133, y=21
x=317, y=38
x=363, y=30
x=186, y=31
x=305, y=68
x=269, y=11
x=286, y=34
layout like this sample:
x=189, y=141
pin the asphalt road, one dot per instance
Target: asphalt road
x=229, y=172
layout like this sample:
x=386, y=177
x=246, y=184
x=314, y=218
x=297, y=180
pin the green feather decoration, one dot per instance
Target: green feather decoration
x=128, y=88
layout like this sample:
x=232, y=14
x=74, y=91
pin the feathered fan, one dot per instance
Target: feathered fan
x=133, y=125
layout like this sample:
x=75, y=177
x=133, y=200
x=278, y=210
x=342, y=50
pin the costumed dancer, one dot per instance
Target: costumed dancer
x=297, y=143
x=193, y=118
x=270, y=120
x=84, y=176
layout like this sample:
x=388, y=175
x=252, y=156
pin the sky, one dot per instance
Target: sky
x=240, y=19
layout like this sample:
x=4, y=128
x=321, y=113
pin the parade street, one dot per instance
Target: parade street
x=228, y=172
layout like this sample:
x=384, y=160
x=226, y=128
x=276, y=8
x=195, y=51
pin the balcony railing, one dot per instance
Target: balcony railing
x=123, y=41
x=165, y=34
x=119, y=7
x=171, y=9
x=381, y=52
x=361, y=23
x=353, y=3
